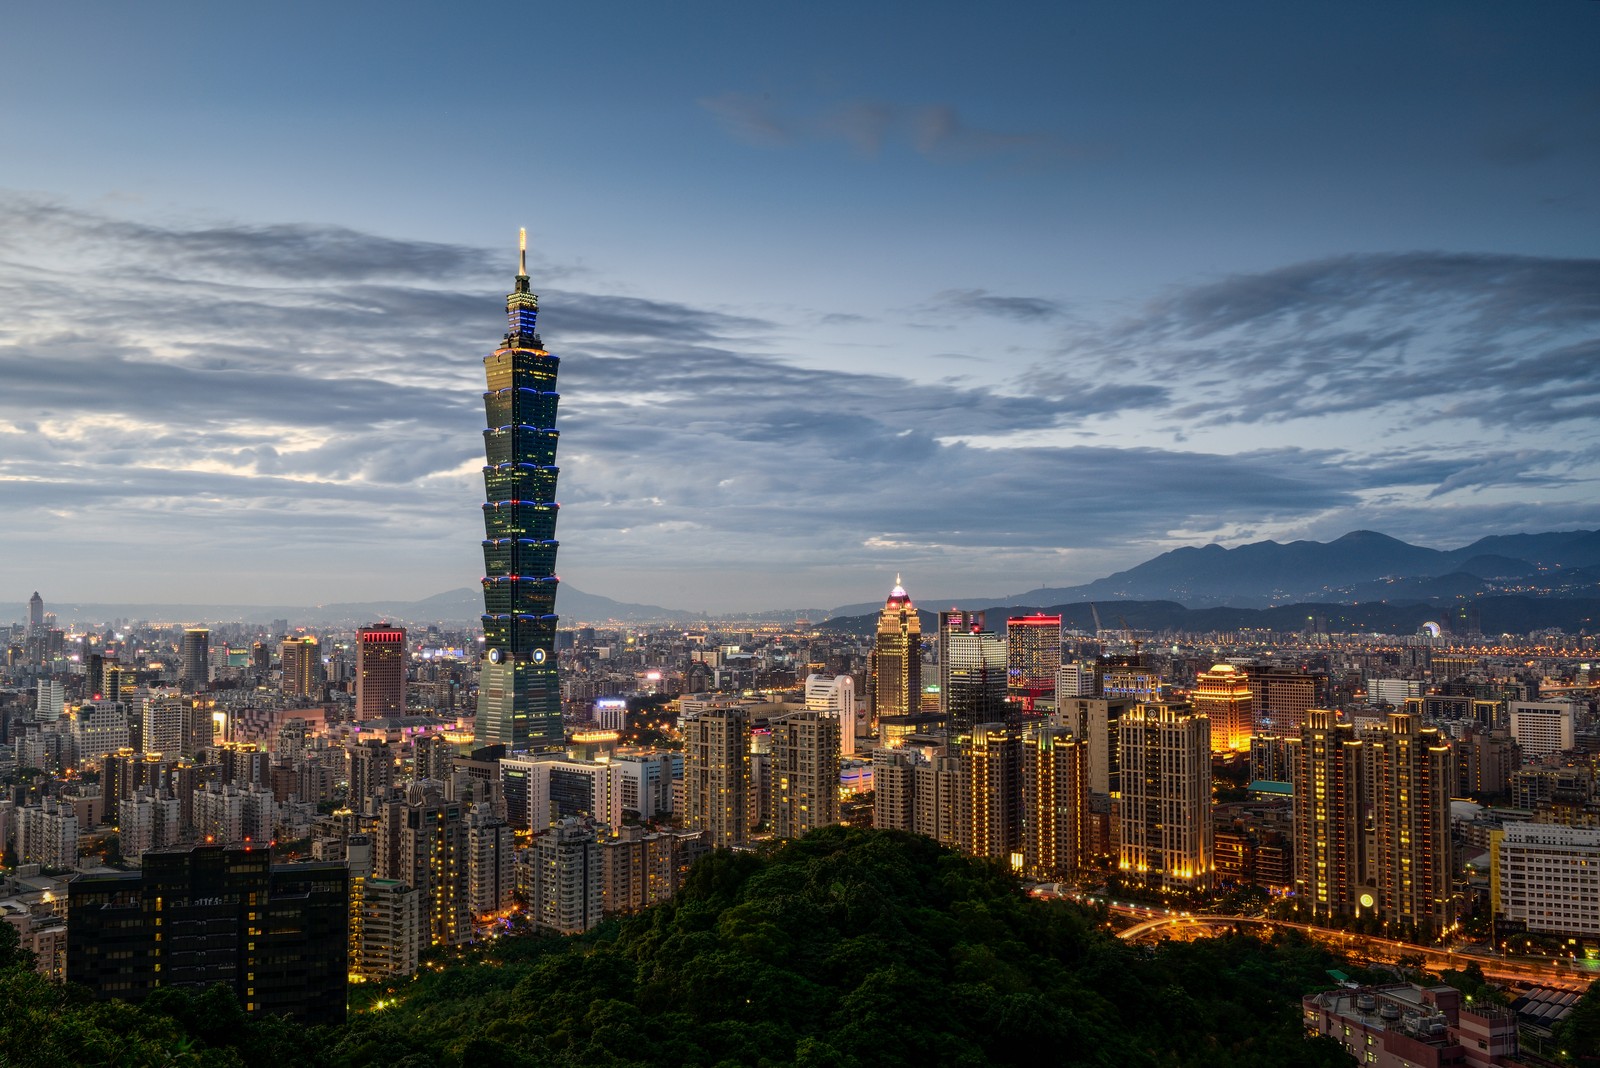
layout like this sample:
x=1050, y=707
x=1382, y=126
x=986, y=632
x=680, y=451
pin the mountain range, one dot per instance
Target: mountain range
x=1360, y=568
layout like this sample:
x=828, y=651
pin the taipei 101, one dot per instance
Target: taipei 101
x=830, y=536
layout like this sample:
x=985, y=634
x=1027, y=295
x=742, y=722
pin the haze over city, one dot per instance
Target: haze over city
x=995, y=298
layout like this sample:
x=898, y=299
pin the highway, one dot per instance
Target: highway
x=1156, y=922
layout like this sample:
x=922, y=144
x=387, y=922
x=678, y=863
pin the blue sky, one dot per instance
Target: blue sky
x=992, y=296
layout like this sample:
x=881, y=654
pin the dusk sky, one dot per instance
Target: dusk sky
x=992, y=295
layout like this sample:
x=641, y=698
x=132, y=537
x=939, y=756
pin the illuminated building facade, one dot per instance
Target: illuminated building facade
x=716, y=775
x=1033, y=657
x=805, y=774
x=1223, y=694
x=894, y=678
x=519, y=694
x=380, y=672
x=301, y=661
x=975, y=684
x=988, y=813
x=1165, y=818
x=1055, y=803
x=1372, y=823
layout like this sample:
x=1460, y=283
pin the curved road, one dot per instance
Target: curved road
x=1566, y=974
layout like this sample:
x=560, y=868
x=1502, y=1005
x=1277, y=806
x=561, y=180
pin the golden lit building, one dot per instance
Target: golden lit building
x=894, y=680
x=805, y=774
x=989, y=792
x=1223, y=694
x=301, y=659
x=1164, y=820
x=1055, y=803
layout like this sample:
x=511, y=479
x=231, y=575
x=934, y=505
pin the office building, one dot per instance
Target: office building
x=1033, y=659
x=805, y=774
x=1543, y=727
x=1164, y=819
x=275, y=934
x=194, y=659
x=717, y=775
x=647, y=782
x=952, y=621
x=835, y=697
x=300, y=660
x=1223, y=695
x=894, y=667
x=1096, y=721
x=1546, y=878
x=544, y=789
x=1079, y=678
x=380, y=672
x=35, y=613
x=519, y=691
x=1281, y=696
x=975, y=680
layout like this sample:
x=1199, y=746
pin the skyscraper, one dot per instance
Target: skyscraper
x=952, y=621
x=194, y=664
x=716, y=775
x=805, y=773
x=302, y=666
x=1033, y=656
x=519, y=695
x=380, y=671
x=1223, y=693
x=1165, y=821
x=35, y=613
x=975, y=679
x=894, y=681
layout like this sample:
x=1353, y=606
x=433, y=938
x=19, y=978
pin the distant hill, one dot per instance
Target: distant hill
x=1361, y=565
x=462, y=606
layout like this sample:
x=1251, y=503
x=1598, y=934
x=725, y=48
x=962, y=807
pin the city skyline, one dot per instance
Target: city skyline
x=997, y=303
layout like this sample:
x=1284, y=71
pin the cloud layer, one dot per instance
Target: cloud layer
x=293, y=411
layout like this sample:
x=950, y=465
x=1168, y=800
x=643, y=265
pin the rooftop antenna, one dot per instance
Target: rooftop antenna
x=522, y=249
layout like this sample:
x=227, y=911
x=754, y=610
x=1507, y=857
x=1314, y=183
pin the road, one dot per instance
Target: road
x=1159, y=922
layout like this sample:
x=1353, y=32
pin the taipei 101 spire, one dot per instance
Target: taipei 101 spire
x=519, y=694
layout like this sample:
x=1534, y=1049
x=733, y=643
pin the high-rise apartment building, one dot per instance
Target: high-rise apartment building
x=716, y=775
x=491, y=862
x=194, y=659
x=1416, y=774
x=1164, y=822
x=805, y=774
x=519, y=692
x=1033, y=658
x=380, y=671
x=894, y=669
x=989, y=803
x=1223, y=695
x=1055, y=803
x=301, y=661
x=162, y=725
x=1372, y=823
x=975, y=675
x=422, y=842
x=566, y=891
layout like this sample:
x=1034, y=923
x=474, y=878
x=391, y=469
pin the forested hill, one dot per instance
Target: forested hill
x=847, y=948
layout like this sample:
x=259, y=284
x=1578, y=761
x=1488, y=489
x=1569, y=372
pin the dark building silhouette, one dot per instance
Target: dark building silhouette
x=192, y=917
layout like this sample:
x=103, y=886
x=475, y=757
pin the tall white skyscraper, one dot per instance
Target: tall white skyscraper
x=835, y=697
